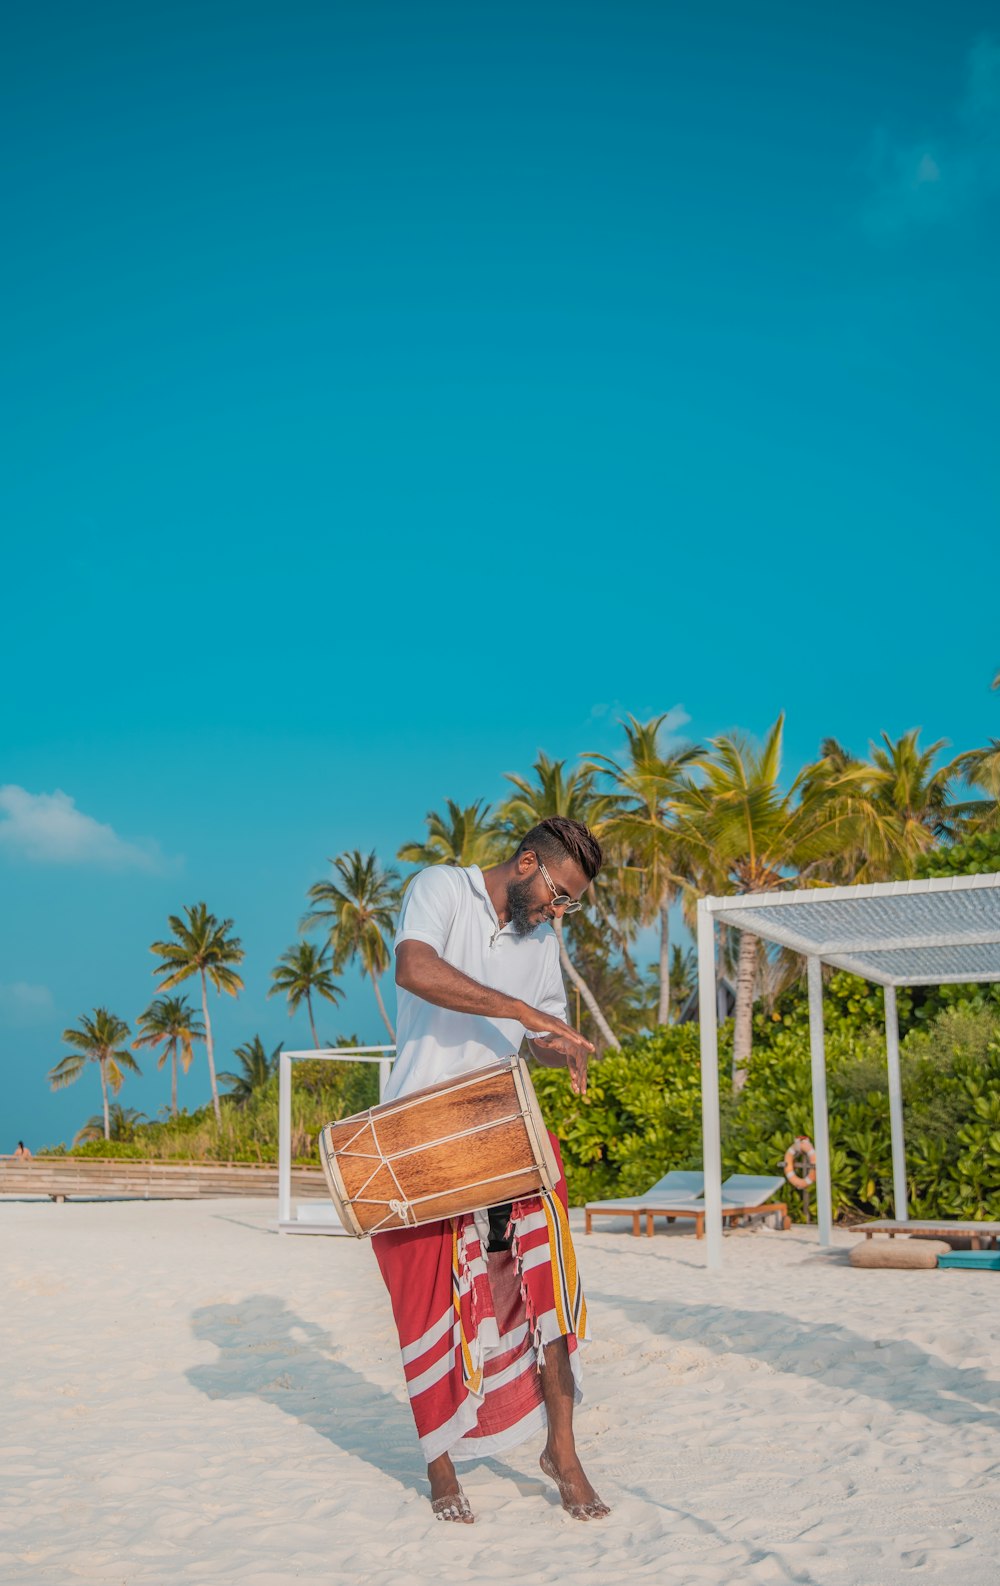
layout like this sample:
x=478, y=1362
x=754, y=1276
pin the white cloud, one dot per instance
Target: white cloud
x=946, y=175
x=22, y=1003
x=47, y=828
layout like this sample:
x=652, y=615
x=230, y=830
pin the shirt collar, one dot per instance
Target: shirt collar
x=478, y=884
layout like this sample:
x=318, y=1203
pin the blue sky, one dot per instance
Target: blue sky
x=390, y=392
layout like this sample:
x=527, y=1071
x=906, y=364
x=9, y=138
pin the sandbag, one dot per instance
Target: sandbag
x=912, y=1254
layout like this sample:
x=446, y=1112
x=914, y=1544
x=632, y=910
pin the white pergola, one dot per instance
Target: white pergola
x=314, y=1217
x=906, y=933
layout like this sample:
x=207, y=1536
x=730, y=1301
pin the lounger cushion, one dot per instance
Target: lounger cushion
x=911, y=1253
x=661, y=1204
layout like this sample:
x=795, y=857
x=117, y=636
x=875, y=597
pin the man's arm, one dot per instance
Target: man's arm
x=421, y=970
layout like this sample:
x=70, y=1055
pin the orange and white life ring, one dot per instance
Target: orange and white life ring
x=803, y=1146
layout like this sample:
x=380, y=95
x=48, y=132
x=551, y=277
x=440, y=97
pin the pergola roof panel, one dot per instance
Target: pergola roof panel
x=931, y=965
x=913, y=932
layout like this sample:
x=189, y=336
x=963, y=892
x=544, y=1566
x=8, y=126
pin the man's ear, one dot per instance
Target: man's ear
x=527, y=862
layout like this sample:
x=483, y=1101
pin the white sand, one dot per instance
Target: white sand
x=197, y=1400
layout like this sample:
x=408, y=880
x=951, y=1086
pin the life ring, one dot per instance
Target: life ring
x=803, y=1146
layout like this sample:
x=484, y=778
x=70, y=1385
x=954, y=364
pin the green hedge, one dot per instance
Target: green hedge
x=321, y=1092
x=642, y=1113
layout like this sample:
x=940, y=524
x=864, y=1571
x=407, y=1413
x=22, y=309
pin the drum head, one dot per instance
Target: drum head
x=338, y=1190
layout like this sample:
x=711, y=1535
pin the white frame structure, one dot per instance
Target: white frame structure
x=310, y=1218
x=897, y=933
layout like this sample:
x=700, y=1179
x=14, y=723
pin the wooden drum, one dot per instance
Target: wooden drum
x=473, y=1141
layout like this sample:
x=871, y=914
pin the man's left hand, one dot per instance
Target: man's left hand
x=574, y=1054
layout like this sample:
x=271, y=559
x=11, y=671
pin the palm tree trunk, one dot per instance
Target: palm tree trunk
x=746, y=970
x=312, y=1023
x=104, y=1094
x=381, y=1007
x=663, y=1013
x=210, y=1049
x=582, y=987
x=173, y=1078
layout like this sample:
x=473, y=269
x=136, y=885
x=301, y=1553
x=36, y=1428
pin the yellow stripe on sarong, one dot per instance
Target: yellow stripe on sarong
x=571, y=1307
x=472, y=1378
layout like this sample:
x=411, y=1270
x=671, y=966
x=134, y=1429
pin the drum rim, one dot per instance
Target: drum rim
x=535, y=1124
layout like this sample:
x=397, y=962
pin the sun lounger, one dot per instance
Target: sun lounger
x=675, y=1190
x=749, y=1190
x=743, y=1195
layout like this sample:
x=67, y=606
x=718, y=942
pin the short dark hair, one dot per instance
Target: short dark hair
x=560, y=838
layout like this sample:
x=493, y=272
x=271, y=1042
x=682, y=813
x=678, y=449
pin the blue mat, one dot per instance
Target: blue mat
x=990, y=1259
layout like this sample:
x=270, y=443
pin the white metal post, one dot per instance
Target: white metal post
x=709, y=1038
x=284, y=1138
x=821, y=1128
x=895, y=1106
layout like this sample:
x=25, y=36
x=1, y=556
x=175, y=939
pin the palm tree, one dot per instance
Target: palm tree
x=981, y=770
x=464, y=837
x=683, y=975
x=573, y=796
x=201, y=946
x=99, y=1040
x=123, y=1123
x=639, y=825
x=901, y=806
x=257, y=1069
x=170, y=1022
x=740, y=832
x=358, y=908
x=302, y=973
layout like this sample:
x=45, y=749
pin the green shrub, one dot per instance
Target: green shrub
x=248, y=1132
x=642, y=1114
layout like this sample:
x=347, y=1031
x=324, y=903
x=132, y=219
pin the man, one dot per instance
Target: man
x=482, y=1301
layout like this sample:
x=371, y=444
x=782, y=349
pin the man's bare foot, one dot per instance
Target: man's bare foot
x=578, y=1497
x=448, y=1501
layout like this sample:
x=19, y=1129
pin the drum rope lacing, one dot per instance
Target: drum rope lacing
x=403, y=1207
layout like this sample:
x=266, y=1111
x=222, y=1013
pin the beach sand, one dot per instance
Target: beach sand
x=192, y=1399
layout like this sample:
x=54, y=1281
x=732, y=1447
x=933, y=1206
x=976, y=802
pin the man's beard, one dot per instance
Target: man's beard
x=521, y=907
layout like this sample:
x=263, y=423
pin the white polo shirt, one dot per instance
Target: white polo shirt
x=450, y=908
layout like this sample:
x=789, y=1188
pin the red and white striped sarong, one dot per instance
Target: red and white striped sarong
x=473, y=1325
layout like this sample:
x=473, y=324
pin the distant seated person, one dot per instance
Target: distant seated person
x=22, y=1154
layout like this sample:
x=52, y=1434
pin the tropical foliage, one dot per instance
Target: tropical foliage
x=100, y=1039
x=676, y=821
x=248, y=1128
x=301, y=973
x=204, y=946
x=170, y=1023
x=256, y=1069
x=124, y=1121
x=743, y=832
x=469, y=836
x=642, y=1112
x=358, y=910
x=640, y=829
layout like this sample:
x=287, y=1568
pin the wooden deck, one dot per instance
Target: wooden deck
x=60, y=1177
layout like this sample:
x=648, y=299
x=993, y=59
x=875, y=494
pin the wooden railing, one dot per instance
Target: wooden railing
x=61, y=1176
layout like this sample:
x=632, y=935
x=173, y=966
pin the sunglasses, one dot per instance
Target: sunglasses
x=560, y=900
